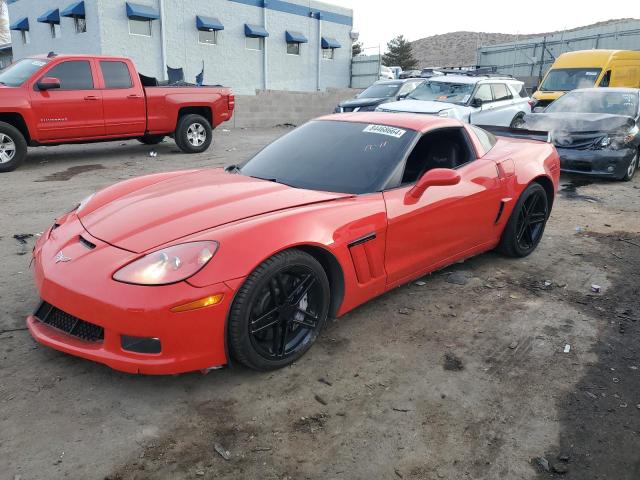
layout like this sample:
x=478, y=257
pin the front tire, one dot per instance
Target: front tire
x=527, y=222
x=193, y=134
x=633, y=168
x=13, y=147
x=278, y=313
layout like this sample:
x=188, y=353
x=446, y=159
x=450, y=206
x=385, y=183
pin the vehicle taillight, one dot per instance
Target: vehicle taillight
x=532, y=102
x=232, y=101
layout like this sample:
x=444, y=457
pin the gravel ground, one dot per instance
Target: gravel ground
x=460, y=375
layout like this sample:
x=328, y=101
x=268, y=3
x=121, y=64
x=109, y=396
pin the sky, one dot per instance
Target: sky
x=379, y=21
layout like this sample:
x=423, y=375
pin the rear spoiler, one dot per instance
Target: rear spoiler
x=539, y=135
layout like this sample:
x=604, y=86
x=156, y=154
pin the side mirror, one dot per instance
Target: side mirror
x=403, y=96
x=436, y=177
x=49, y=83
x=538, y=109
x=477, y=102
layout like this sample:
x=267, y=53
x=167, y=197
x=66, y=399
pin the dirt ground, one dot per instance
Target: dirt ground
x=462, y=375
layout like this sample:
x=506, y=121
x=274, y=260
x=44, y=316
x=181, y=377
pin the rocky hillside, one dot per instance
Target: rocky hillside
x=459, y=48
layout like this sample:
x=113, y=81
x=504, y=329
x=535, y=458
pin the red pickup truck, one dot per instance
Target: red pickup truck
x=57, y=99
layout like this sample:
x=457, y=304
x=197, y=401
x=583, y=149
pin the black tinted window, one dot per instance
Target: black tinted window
x=500, y=92
x=75, y=75
x=333, y=156
x=116, y=75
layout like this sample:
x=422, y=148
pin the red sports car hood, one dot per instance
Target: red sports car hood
x=190, y=203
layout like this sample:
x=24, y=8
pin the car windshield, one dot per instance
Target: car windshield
x=381, y=90
x=565, y=79
x=448, y=92
x=600, y=101
x=333, y=156
x=18, y=73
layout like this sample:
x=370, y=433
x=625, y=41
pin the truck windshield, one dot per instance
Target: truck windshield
x=448, y=92
x=333, y=156
x=381, y=90
x=601, y=101
x=18, y=73
x=565, y=79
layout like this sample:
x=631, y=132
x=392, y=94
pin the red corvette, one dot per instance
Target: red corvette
x=183, y=271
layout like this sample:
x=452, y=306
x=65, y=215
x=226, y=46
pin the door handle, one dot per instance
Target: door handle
x=133, y=97
x=91, y=97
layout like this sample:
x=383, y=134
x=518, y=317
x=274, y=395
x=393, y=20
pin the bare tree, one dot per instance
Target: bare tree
x=5, y=34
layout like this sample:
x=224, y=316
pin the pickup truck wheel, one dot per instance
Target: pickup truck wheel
x=194, y=134
x=13, y=147
x=151, y=139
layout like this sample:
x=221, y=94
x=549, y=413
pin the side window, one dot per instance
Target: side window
x=73, y=75
x=606, y=79
x=487, y=140
x=445, y=148
x=484, y=93
x=500, y=92
x=116, y=75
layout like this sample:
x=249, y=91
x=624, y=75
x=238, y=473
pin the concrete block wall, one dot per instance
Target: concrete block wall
x=271, y=108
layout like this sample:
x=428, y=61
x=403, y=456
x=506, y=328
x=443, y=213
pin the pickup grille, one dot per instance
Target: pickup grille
x=69, y=324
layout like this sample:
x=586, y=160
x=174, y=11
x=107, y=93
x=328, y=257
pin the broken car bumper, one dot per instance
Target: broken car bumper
x=601, y=163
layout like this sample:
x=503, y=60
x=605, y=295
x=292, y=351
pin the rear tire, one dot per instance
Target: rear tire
x=525, y=227
x=151, y=139
x=633, y=168
x=13, y=147
x=518, y=121
x=279, y=311
x=193, y=134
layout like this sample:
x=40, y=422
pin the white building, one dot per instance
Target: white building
x=245, y=44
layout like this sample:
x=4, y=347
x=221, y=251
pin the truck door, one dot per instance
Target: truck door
x=124, y=102
x=73, y=111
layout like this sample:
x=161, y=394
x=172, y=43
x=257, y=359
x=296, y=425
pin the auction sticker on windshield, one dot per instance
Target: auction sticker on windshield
x=385, y=130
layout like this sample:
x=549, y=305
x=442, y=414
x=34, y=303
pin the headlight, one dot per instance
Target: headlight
x=605, y=141
x=445, y=113
x=84, y=202
x=631, y=134
x=169, y=265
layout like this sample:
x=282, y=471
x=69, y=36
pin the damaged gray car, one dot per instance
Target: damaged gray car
x=595, y=131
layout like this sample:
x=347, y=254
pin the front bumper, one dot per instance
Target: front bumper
x=601, y=163
x=83, y=288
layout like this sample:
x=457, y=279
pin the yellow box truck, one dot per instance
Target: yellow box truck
x=589, y=68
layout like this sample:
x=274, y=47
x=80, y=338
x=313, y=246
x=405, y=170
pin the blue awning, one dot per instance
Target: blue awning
x=52, y=16
x=141, y=12
x=295, y=37
x=22, y=24
x=330, y=43
x=208, y=23
x=74, y=10
x=255, y=31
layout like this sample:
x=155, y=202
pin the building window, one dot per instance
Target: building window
x=80, y=24
x=140, y=27
x=55, y=30
x=328, y=53
x=208, y=37
x=254, y=43
x=293, y=48
x=25, y=37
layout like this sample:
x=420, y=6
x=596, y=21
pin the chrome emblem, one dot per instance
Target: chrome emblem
x=61, y=257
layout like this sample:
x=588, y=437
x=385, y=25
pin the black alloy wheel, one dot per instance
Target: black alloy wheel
x=279, y=312
x=525, y=227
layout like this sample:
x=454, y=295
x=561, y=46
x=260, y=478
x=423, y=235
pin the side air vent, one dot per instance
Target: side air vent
x=86, y=242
